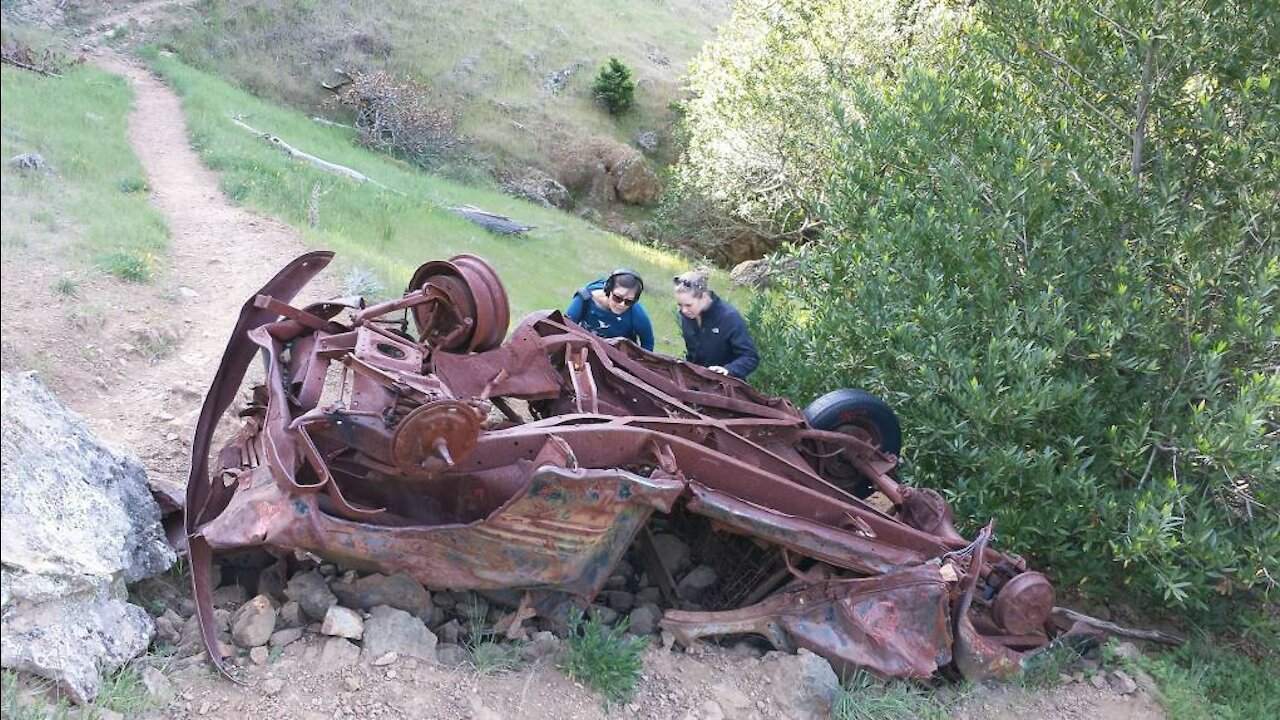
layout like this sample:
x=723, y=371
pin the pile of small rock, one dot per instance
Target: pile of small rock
x=376, y=618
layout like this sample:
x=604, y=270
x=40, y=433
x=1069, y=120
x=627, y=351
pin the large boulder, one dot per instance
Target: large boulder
x=79, y=523
x=805, y=684
x=606, y=171
x=539, y=187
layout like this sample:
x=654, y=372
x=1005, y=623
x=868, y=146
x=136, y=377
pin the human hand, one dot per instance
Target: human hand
x=718, y=369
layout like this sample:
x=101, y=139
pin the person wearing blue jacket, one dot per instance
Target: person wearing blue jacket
x=715, y=335
x=611, y=308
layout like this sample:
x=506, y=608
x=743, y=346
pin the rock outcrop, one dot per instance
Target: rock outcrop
x=79, y=522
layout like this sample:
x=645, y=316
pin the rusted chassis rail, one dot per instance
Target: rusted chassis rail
x=374, y=447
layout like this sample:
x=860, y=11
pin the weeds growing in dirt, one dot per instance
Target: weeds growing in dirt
x=130, y=264
x=604, y=657
x=28, y=702
x=489, y=655
x=66, y=286
x=864, y=697
x=1043, y=669
x=134, y=184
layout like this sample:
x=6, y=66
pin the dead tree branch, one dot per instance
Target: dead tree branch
x=321, y=163
x=1122, y=631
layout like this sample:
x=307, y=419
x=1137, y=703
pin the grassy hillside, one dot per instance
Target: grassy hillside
x=493, y=62
x=391, y=231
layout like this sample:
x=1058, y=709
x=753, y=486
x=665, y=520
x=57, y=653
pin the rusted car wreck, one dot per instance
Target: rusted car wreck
x=408, y=436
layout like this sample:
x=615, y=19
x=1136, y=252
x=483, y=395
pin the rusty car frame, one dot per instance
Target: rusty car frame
x=416, y=436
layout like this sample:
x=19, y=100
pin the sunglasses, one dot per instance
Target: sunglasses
x=623, y=299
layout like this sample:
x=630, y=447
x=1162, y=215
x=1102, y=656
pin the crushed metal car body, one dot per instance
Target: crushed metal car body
x=416, y=436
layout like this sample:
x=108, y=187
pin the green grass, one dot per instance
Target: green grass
x=77, y=123
x=29, y=698
x=489, y=67
x=603, y=657
x=390, y=233
x=864, y=697
x=489, y=655
x=1206, y=680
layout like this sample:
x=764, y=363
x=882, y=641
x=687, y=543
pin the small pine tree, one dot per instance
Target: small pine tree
x=614, y=86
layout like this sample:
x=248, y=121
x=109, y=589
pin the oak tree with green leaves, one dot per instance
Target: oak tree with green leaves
x=1051, y=242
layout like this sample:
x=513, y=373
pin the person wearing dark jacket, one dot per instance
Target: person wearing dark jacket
x=611, y=308
x=715, y=335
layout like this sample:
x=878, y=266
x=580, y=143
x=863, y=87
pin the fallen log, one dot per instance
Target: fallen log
x=1122, y=631
x=330, y=123
x=321, y=163
x=492, y=222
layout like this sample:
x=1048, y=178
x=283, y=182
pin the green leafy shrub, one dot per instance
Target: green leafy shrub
x=1079, y=330
x=134, y=184
x=130, y=264
x=604, y=657
x=614, y=86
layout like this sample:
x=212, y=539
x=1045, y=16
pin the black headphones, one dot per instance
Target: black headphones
x=611, y=281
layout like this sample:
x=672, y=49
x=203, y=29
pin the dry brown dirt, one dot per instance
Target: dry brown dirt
x=219, y=255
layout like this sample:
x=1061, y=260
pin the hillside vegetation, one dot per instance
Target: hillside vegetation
x=1048, y=233
x=517, y=74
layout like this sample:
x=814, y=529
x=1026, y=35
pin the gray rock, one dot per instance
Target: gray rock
x=644, y=620
x=451, y=656
x=280, y=638
x=673, y=551
x=604, y=614
x=291, y=615
x=387, y=659
x=751, y=273
x=391, y=630
x=79, y=522
x=28, y=162
x=169, y=628
x=260, y=655
x=556, y=80
x=254, y=622
x=272, y=686
x=342, y=622
x=541, y=188
x=229, y=596
x=804, y=684
x=620, y=600
x=542, y=644
x=311, y=593
x=649, y=595
x=397, y=591
x=158, y=686
x=337, y=653
x=1122, y=683
x=449, y=632
x=647, y=140
x=696, y=583
x=271, y=582
x=1128, y=651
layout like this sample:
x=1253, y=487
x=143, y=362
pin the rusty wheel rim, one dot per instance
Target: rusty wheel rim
x=492, y=307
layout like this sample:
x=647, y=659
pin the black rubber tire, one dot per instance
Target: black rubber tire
x=855, y=407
